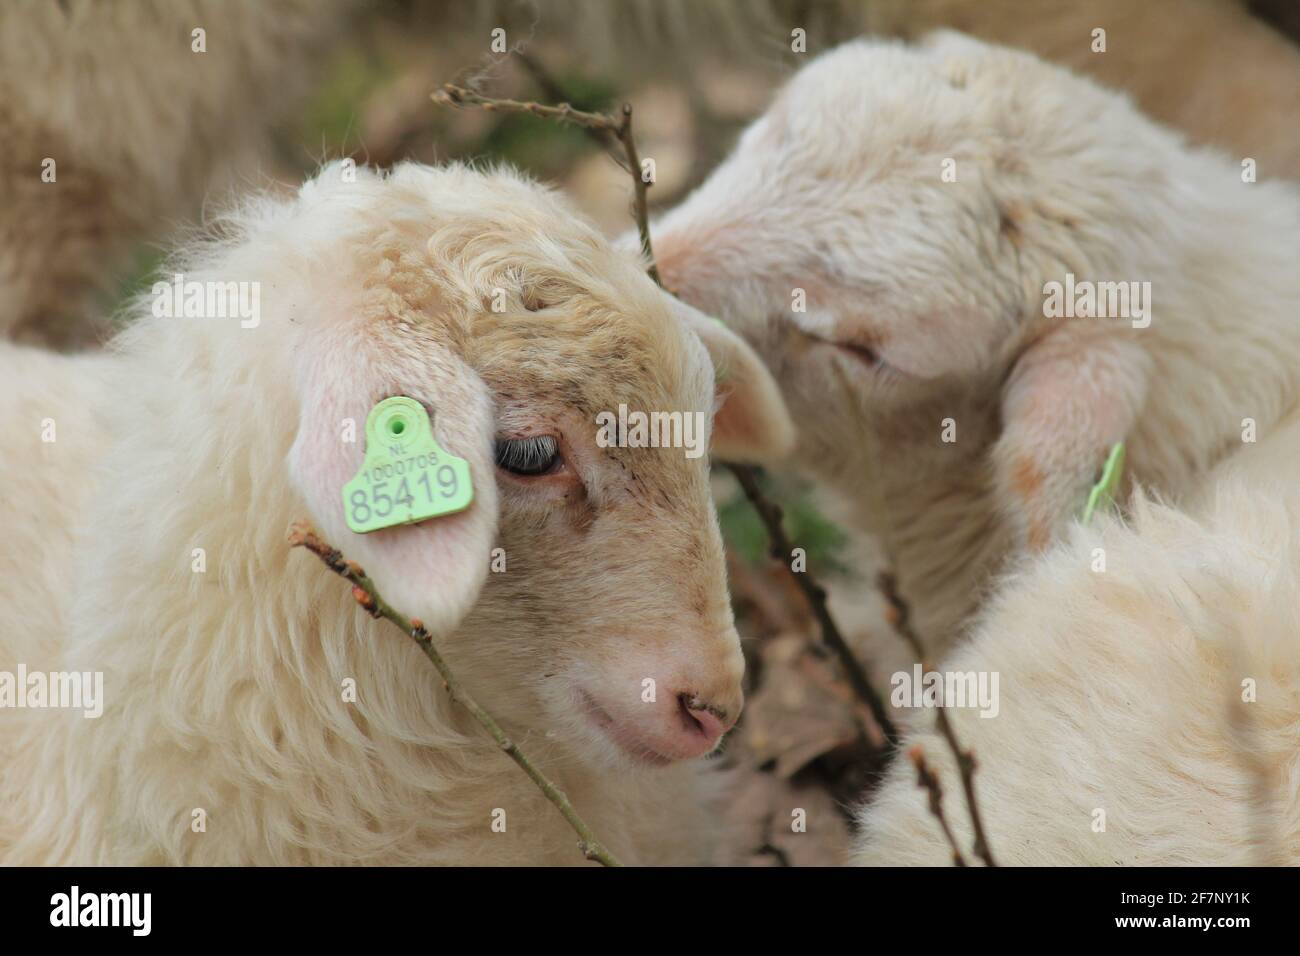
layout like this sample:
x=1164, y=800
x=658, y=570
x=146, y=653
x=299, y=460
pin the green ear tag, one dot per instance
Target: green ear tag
x=1103, y=492
x=406, y=477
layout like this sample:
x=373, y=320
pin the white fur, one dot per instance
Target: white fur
x=224, y=688
x=1121, y=692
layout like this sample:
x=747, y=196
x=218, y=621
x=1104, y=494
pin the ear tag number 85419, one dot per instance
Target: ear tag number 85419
x=406, y=477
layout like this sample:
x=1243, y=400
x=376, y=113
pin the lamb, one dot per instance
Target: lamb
x=893, y=234
x=1148, y=710
x=252, y=713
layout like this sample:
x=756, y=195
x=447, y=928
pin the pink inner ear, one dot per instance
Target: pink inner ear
x=432, y=570
x=740, y=432
x=1071, y=397
x=750, y=421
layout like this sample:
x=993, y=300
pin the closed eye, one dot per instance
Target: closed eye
x=529, y=457
x=860, y=351
x=867, y=354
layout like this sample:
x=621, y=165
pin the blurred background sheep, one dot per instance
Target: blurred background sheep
x=150, y=123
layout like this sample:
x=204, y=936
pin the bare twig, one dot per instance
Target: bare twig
x=928, y=780
x=770, y=514
x=554, y=92
x=366, y=594
x=619, y=127
x=541, y=76
x=900, y=618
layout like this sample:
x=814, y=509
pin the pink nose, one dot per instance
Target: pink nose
x=702, y=723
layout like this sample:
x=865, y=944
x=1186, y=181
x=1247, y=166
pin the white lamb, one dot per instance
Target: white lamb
x=894, y=234
x=252, y=713
x=1148, y=712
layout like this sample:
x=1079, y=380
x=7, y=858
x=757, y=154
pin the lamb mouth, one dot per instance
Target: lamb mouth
x=629, y=743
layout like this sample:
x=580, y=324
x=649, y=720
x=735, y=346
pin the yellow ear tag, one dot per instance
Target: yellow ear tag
x=1103, y=492
x=406, y=477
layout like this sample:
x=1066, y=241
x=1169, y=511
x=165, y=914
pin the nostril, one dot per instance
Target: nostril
x=688, y=714
x=703, y=718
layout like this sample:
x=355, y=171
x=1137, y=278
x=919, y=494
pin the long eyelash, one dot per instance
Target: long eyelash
x=526, y=454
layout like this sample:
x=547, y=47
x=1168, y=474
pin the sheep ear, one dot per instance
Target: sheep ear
x=750, y=421
x=432, y=570
x=1070, y=397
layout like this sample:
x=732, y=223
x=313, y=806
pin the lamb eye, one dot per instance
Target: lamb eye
x=530, y=457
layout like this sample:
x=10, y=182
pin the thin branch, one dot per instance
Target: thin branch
x=770, y=514
x=554, y=92
x=900, y=618
x=928, y=780
x=642, y=206
x=618, y=127
x=899, y=614
x=367, y=595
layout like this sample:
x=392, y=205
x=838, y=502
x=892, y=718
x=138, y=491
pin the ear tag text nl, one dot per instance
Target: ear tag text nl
x=1103, y=492
x=406, y=476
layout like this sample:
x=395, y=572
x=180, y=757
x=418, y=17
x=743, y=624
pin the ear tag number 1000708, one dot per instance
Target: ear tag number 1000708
x=406, y=477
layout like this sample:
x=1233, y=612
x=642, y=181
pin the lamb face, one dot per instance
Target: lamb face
x=886, y=236
x=891, y=222
x=581, y=595
x=583, y=592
